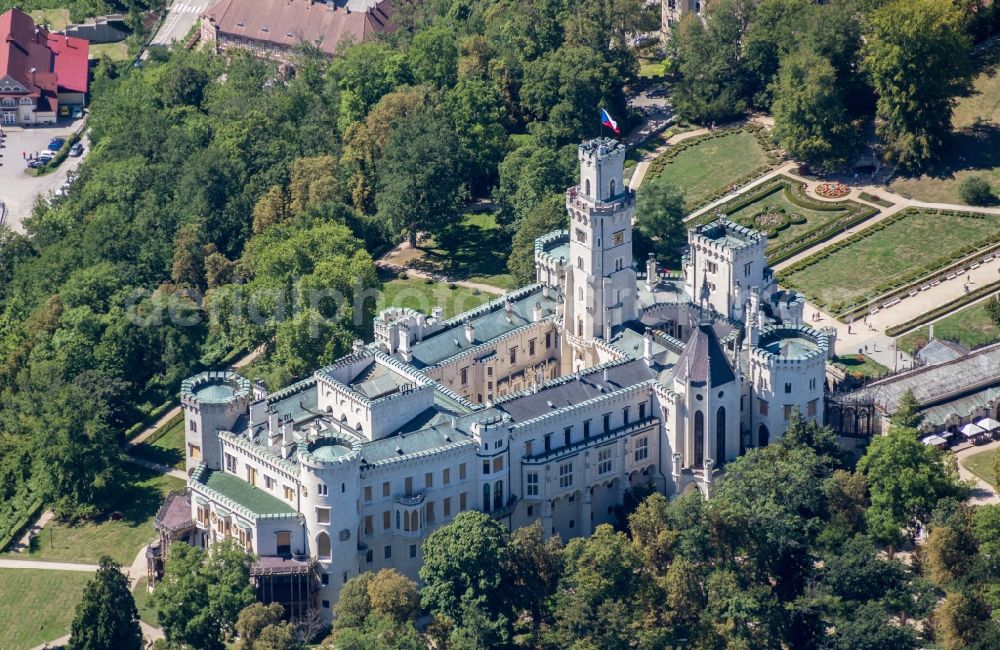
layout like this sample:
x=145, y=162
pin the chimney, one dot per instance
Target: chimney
x=404, y=343
x=287, y=444
x=438, y=313
x=536, y=314
x=651, y=276
x=470, y=332
x=259, y=389
x=358, y=347
x=647, y=347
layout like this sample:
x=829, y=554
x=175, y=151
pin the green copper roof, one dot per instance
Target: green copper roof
x=246, y=495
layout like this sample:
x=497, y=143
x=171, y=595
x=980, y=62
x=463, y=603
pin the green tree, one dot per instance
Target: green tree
x=810, y=120
x=535, y=567
x=464, y=568
x=313, y=181
x=394, y=595
x=907, y=414
x=976, y=190
x=917, y=56
x=271, y=208
x=253, y=619
x=529, y=175
x=433, y=56
x=189, y=258
x=106, y=616
x=278, y=636
x=962, y=620
x=659, y=222
x=775, y=29
x=869, y=628
x=419, y=180
x=363, y=73
x=712, y=85
x=547, y=216
x=476, y=108
x=906, y=480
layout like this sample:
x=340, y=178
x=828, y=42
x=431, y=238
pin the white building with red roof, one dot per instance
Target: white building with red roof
x=39, y=71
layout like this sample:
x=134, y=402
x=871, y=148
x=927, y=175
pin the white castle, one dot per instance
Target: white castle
x=547, y=403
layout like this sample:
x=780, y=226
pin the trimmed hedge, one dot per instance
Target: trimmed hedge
x=19, y=525
x=162, y=431
x=877, y=200
x=857, y=214
x=905, y=283
x=946, y=308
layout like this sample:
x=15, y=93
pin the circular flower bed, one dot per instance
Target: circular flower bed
x=769, y=220
x=832, y=190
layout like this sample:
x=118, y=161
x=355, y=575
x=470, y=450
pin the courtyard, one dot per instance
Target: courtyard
x=17, y=189
x=900, y=248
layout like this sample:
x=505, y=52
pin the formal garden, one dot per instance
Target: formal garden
x=792, y=220
x=37, y=606
x=898, y=251
x=974, y=149
x=707, y=167
x=971, y=327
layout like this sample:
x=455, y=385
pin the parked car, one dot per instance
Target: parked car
x=46, y=156
x=77, y=112
x=64, y=111
x=76, y=149
x=35, y=163
x=56, y=144
x=657, y=92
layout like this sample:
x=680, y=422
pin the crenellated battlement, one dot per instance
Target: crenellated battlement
x=214, y=387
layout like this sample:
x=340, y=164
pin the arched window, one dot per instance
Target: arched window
x=579, y=262
x=579, y=293
x=763, y=436
x=498, y=495
x=486, y=497
x=579, y=327
x=323, y=545
x=720, y=436
x=586, y=187
x=612, y=187
x=699, y=439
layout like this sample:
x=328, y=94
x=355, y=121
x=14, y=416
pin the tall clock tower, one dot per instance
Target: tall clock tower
x=600, y=283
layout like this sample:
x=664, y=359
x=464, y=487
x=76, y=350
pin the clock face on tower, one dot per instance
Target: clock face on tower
x=618, y=238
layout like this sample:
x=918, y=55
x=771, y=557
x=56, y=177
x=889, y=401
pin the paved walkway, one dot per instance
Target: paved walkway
x=49, y=566
x=162, y=469
x=982, y=492
x=24, y=543
x=151, y=633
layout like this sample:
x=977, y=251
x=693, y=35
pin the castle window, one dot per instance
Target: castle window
x=604, y=462
x=413, y=550
x=369, y=556
x=527, y=449
x=447, y=507
x=498, y=464
x=461, y=472
x=586, y=187
x=283, y=543
x=567, y=435
x=409, y=485
x=548, y=340
x=463, y=501
x=711, y=267
x=322, y=515
x=788, y=411
x=387, y=552
x=386, y=489
x=323, y=545
x=429, y=479
x=194, y=451
x=642, y=411
x=720, y=435
x=788, y=387
x=762, y=405
x=699, y=438
x=625, y=415
x=252, y=476
x=368, y=494
x=486, y=467
x=465, y=376
x=579, y=262
x=513, y=356
x=642, y=449
x=386, y=524
x=612, y=187
x=498, y=495
x=369, y=525
x=581, y=235
x=289, y=493
x=486, y=497
x=548, y=442
x=446, y=476
x=607, y=422
x=322, y=490
x=811, y=407
x=268, y=482
x=532, y=483
x=193, y=425
x=579, y=327
x=586, y=429
x=531, y=347
x=746, y=269
x=566, y=475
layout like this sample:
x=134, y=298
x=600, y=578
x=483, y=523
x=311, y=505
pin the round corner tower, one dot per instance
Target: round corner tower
x=331, y=480
x=787, y=370
x=212, y=402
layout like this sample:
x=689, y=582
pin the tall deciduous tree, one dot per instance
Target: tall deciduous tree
x=810, y=120
x=906, y=480
x=917, y=56
x=419, y=180
x=659, y=222
x=106, y=616
x=547, y=216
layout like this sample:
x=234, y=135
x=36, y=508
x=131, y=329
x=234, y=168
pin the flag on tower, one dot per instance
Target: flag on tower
x=608, y=122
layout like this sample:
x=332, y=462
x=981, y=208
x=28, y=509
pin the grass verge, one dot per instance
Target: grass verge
x=981, y=465
x=37, y=606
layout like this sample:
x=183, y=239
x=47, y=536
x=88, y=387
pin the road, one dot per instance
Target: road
x=180, y=18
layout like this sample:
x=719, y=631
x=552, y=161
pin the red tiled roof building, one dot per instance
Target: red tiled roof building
x=272, y=28
x=38, y=71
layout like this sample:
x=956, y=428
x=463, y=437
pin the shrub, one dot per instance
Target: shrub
x=452, y=286
x=974, y=190
x=428, y=280
x=403, y=275
x=475, y=291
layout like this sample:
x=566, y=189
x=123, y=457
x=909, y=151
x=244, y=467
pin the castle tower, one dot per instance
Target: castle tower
x=212, y=401
x=601, y=283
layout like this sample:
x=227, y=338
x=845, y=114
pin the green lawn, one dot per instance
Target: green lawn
x=415, y=293
x=650, y=67
x=475, y=250
x=780, y=200
x=971, y=327
x=166, y=446
x=974, y=149
x=114, y=51
x=981, y=465
x=861, y=366
x=121, y=539
x=147, y=612
x=37, y=606
x=706, y=169
x=884, y=254
x=56, y=19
